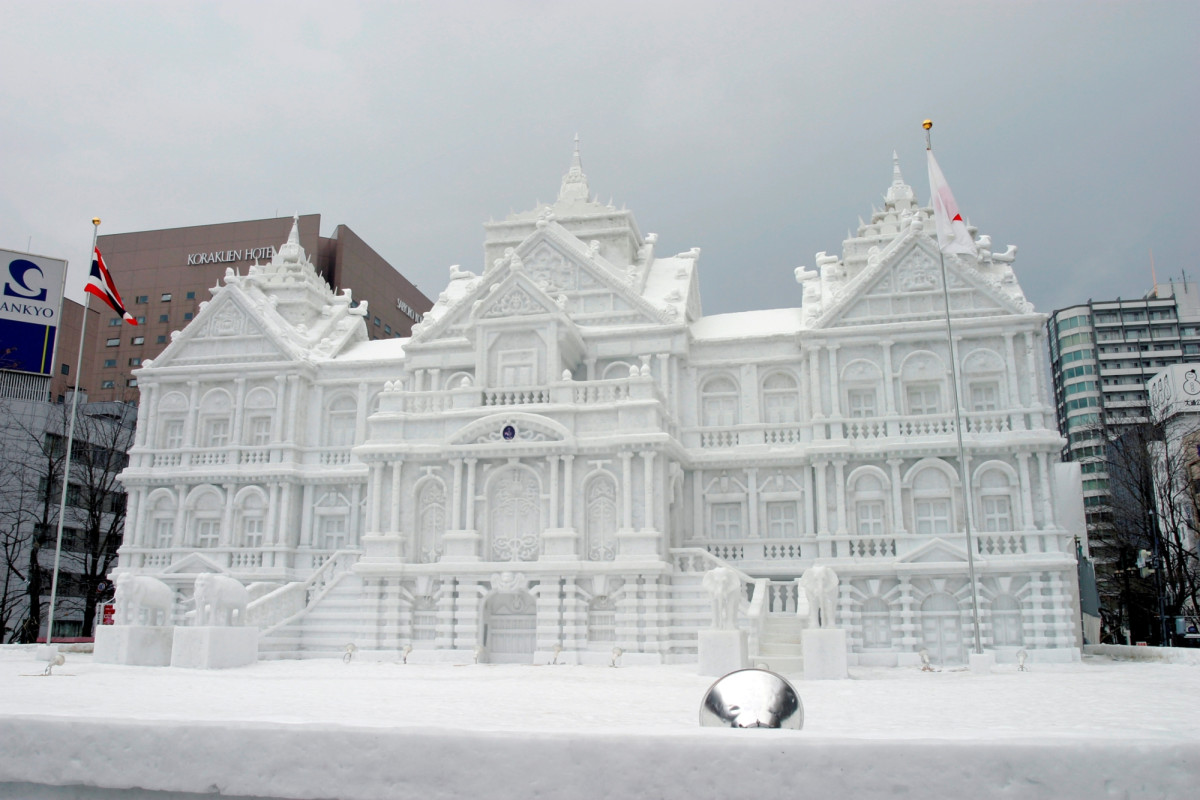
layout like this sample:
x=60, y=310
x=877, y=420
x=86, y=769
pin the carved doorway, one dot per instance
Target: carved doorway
x=941, y=629
x=510, y=628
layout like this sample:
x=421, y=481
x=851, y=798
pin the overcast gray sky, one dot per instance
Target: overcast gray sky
x=758, y=131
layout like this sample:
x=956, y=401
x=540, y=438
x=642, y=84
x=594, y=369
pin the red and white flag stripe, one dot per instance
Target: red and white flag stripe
x=100, y=283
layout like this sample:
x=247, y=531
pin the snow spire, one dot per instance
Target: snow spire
x=574, y=183
x=900, y=196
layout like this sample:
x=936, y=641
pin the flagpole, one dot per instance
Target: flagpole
x=62, y=503
x=958, y=427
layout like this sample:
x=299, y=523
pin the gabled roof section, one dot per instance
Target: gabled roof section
x=193, y=563
x=575, y=278
x=285, y=301
x=228, y=329
x=886, y=266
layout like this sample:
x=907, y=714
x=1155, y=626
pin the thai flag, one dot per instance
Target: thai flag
x=100, y=283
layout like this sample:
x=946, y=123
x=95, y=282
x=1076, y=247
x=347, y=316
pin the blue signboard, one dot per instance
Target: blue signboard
x=30, y=310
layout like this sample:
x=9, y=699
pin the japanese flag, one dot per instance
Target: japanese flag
x=951, y=230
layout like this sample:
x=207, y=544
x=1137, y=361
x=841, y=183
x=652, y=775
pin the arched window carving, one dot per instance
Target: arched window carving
x=933, y=502
x=862, y=382
x=600, y=499
x=207, y=509
x=924, y=378
x=869, y=493
x=983, y=371
x=341, y=420
x=216, y=411
x=616, y=370
x=781, y=398
x=995, y=493
x=431, y=520
x=162, y=522
x=259, y=417
x=719, y=402
x=332, y=518
x=172, y=412
x=252, y=516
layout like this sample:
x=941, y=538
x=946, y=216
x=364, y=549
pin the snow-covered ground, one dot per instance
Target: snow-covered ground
x=323, y=729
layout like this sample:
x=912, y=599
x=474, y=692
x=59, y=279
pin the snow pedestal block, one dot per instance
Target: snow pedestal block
x=722, y=652
x=134, y=645
x=824, y=654
x=213, y=647
x=982, y=663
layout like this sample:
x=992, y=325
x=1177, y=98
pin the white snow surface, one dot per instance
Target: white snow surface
x=323, y=729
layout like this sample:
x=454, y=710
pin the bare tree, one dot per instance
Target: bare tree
x=1151, y=470
x=34, y=439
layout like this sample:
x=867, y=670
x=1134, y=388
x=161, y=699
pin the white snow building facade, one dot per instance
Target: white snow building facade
x=565, y=444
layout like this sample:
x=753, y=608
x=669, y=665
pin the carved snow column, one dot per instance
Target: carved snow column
x=889, y=379
x=590, y=363
x=839, y=492
x=1014, y=388
x=559, y=542
x=569, y=492
x=277, y=423
x=814, y=385
x=471, y=494
x=835, y=391
x=306, y=519
x=633, y=543
x=664, y=374
x=397, y=486
x=457, y=502
x=1027, y=522
x=360, y=414
x=189, y=425
x=897, y=497
x=1047, y=507
x=227, y=535
x=965, y=494
x=626, y=490
x=574, y=617
x=908, y=623
x=458, y=543
x=752, y=502
x=821, y=499
x=375, y=498
x=135, y=533
x=272, y=526
x=354, y=535
x=181, y=534
x=810, y=502
x=289, y=433
x=235, y=436
x=1031, y=370
x=147, y=415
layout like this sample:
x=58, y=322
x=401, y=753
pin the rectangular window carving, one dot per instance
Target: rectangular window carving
x=727, y=520
x=781, y=520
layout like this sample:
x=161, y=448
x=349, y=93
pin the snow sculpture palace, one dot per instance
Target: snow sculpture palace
x=566, y=444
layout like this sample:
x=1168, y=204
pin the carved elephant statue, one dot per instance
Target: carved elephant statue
x=725, y=587
x=220, y=600
x=820, y=585
x=142, y=600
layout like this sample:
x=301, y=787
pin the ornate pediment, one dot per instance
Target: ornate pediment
x=936, y=550
x=511, y=429
x=227, y=329
x=514, y=301
x=904, y=282
x=193, y=564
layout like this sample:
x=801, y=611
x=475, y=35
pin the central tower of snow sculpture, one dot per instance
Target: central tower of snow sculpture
x=566, y=445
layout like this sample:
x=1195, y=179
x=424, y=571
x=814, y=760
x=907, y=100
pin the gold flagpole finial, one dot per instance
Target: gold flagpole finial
x=927, y=124
x=96, y=221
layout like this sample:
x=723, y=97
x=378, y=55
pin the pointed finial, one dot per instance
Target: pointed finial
x=574, y=183
x=897, y=178
x=294, y=236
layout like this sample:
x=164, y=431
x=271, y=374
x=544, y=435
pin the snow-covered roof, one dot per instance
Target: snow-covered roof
x=747, y=324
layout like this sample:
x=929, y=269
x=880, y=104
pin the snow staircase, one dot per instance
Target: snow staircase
x=326, y=627
x=779, y=647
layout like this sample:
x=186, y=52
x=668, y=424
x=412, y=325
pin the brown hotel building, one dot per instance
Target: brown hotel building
x=164, y=275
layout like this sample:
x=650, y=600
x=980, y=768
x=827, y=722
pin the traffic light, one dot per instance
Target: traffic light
x=1145, y=562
